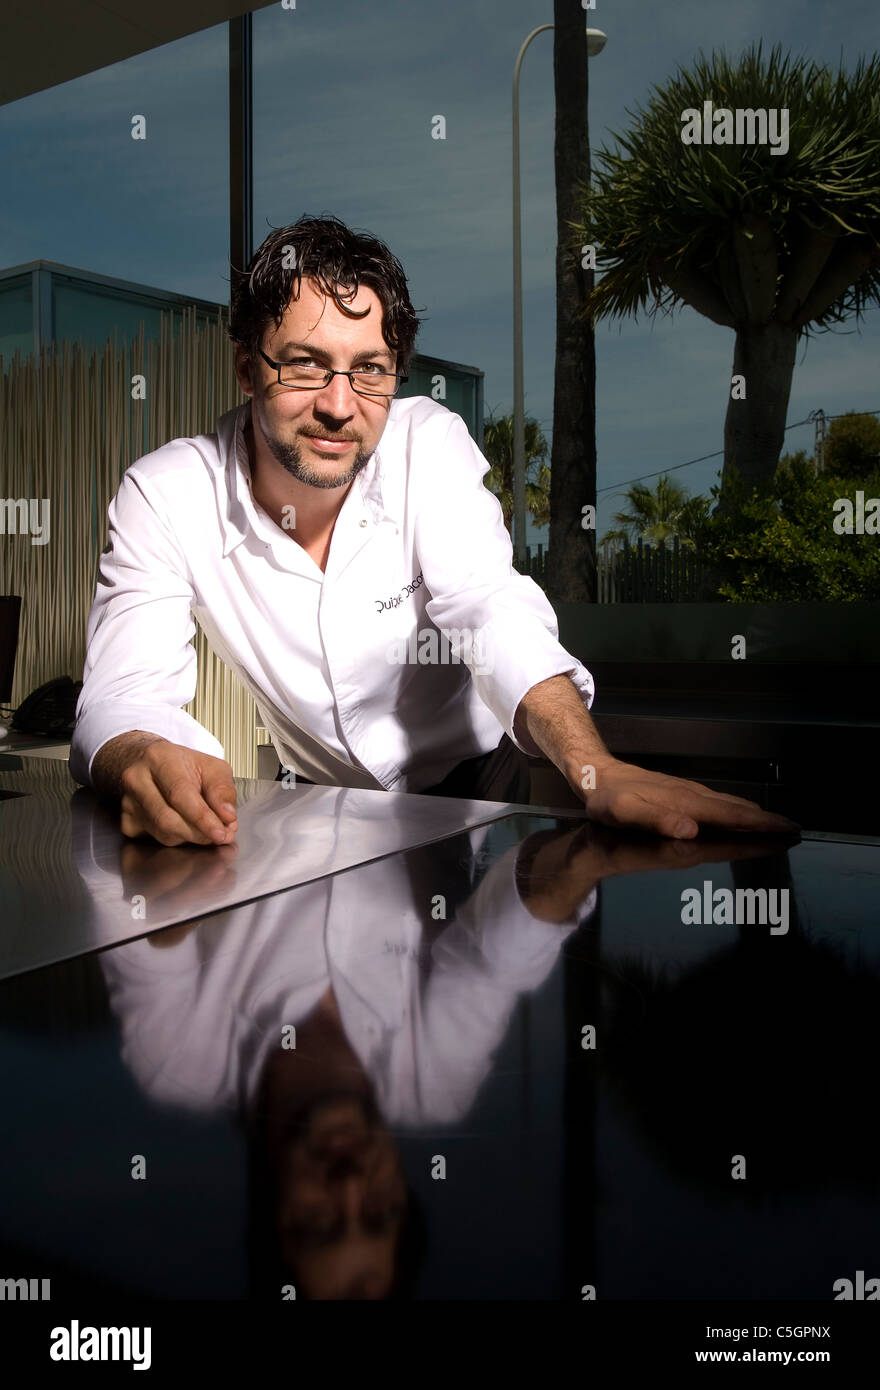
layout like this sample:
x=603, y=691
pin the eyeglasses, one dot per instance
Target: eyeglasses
x=305, y=375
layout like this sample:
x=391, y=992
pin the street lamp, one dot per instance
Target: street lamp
x=596, y=41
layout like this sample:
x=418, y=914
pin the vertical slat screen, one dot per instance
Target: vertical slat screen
x=69, y=428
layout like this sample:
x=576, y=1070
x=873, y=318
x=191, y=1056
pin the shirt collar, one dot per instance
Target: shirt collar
x=239, y=515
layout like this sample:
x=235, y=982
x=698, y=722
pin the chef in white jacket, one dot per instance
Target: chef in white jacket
x=338, y=547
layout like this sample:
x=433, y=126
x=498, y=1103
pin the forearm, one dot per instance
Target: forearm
x=114, y=757
x=620, y=794
x=554, y=715
x=555, y=873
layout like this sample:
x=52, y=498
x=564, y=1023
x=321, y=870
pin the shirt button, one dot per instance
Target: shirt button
x=363, y=521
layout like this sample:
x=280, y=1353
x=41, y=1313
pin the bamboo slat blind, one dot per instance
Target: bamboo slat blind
x=69, y=428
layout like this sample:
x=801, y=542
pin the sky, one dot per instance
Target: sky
x=345, y=94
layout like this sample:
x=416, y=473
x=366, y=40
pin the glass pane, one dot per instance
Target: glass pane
x=116, y=185
x=87, y=316
x=437, y=188
x=82, y=188
x=16, y=318
x=455, y=388
x=387, y=96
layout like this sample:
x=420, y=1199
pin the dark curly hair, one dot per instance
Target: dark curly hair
x=339, y=260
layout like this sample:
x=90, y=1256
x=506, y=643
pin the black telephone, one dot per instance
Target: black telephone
x=49, y=710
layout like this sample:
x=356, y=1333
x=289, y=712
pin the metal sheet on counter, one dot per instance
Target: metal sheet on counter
x=70, y=882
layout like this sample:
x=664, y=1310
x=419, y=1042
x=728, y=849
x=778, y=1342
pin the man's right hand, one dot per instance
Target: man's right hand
x=172, y=793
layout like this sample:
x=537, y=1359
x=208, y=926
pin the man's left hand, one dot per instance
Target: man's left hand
x=553, y=717
x=631, y=798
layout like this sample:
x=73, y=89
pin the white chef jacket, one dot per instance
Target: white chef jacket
x=419, y=543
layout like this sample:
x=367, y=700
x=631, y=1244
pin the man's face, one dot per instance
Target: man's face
x=292, y=423
x=342, y=1201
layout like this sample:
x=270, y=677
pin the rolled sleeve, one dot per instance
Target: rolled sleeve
x=140, y=666
x=498, y=622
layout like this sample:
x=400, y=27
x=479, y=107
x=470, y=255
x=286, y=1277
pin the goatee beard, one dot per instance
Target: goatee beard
x=291, y=459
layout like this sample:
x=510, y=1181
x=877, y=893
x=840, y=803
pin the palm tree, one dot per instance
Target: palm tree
x=658, y=516
x=772, y=243
x=498, y=448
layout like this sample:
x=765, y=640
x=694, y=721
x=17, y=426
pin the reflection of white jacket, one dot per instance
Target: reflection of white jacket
x=199, y=1018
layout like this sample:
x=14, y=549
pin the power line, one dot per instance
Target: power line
x=672, y=469
x=614, y=487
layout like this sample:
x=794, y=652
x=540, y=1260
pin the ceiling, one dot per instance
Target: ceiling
x=44, y=42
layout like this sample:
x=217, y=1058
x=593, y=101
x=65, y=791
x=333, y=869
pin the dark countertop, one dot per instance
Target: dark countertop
x=508, y=1062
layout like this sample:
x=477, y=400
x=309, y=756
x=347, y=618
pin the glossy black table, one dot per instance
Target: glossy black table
x=527, y=1060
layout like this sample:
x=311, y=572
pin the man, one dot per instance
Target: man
x=330, y=538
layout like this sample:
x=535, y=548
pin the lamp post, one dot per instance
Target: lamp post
x=595, y=43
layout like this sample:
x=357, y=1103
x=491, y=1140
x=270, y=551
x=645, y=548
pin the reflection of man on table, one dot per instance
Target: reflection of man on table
x=325, y=526
x=397, y=1019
